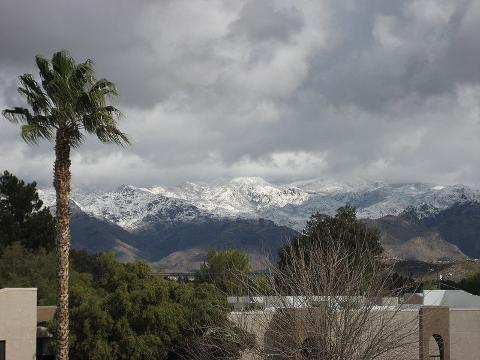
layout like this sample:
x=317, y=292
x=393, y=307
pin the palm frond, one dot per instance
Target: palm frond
x=62, y=63
x=35, y=130
x=109, y=133
x=103, y=122
x=75, y=136
x=34, y=94
x=83, y=76
x=104, y=87
x=44, y=70
x=59, y=88
x=70, y=99
x=59, y=91
x=16, y=115
x=34, y=126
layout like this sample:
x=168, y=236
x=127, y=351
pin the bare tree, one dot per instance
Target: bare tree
x=330, y=303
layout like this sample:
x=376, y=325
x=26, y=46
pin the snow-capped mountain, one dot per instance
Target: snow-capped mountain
x=174, y=227
x=372, y=200
x=245, y=196
x=131, y=207
x=252, y=197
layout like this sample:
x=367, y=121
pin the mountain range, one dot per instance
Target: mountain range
x=173, y=227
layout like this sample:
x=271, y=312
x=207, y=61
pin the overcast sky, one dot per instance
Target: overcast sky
x=286, y=90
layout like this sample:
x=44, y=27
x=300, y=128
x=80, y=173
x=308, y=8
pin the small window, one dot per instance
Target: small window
x=2, y=349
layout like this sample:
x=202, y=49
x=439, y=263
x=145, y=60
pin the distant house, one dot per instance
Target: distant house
x=20, y=339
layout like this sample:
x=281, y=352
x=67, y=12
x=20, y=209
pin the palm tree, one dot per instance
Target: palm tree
x=70, y=103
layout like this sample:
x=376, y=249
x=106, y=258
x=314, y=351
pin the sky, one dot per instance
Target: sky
x=285, y=90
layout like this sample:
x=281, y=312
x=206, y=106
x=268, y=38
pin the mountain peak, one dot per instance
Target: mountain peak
x=125, y=187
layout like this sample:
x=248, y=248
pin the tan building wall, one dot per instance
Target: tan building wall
x=262, y=324
x=459, y=329
x=18, y=322
x=465, y=334
x=434, y=332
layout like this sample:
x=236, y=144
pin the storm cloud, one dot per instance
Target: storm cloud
x=281, y=89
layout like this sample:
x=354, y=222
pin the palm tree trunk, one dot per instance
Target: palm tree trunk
x=61, y=183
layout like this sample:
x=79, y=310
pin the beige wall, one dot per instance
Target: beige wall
x=434, y=321
x=465, y=334
x=460, y=329
x=259, y=323
x=18, y=322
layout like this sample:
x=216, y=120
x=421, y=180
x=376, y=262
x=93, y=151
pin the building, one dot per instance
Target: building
x=442, y=324
x=18, y=324
x=19, y=316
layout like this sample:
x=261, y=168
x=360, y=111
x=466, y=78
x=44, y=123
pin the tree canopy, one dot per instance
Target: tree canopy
x=23, y=218
x=121, y=311
x=226, y=269
x=20, y=267
x=343, y=229
x=69, y=102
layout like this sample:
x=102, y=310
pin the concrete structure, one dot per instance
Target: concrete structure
x=445, y=322
x=20, y=337
x=462, y=332
x=18, y=323
x=434, y=332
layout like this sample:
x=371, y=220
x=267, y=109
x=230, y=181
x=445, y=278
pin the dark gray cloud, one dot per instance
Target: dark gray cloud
x=262, y=21
x=278, y=88
x=382, y=52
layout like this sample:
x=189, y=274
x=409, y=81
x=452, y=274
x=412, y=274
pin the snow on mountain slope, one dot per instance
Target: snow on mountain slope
x=47, y=196
x=253, y=197
x=375, y=200
x=238, y=197
x=131, y=207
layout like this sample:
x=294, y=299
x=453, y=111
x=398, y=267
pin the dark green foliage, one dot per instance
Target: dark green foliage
x=471, y=283
x=121, y=311
x=20, y=267
x=227, y=270
x=82, y=261
x=323, y=231
x=22, y=215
